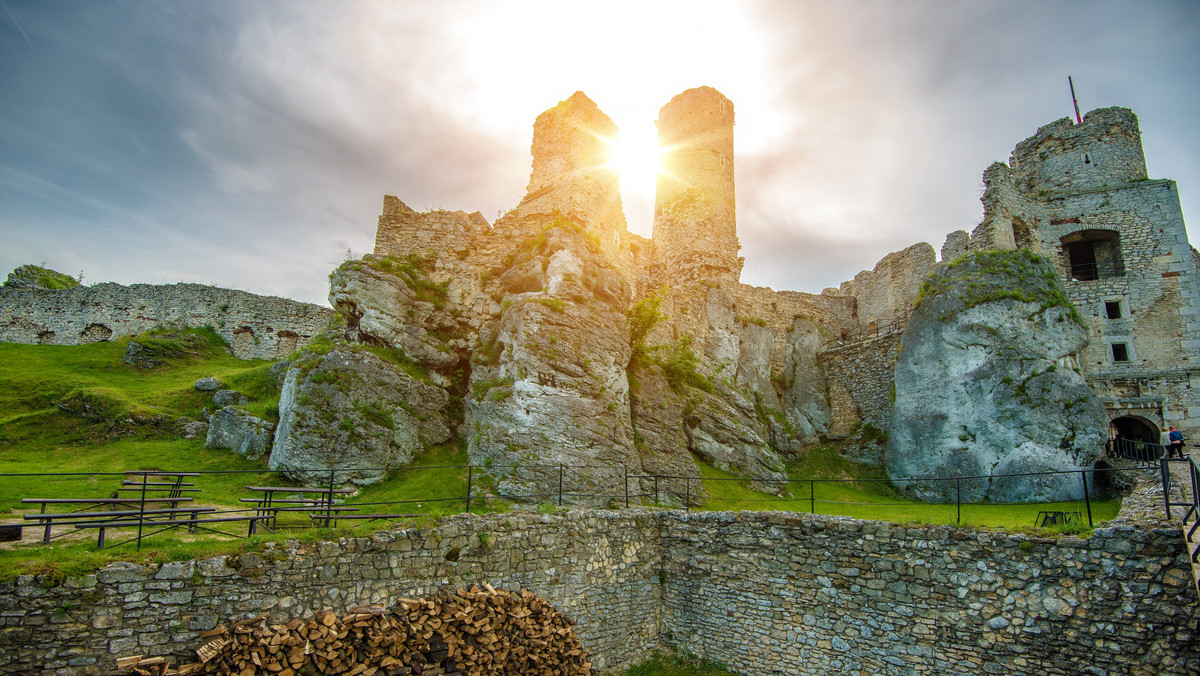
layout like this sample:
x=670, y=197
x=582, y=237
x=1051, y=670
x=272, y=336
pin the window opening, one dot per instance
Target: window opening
x=1120, y=352
x=1093, y=254
x=1112, y=308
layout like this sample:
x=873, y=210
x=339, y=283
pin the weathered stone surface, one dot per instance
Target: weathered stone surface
x=805, y=400
x=721, y=430
x=190, y=429
x=555, y=391
x=350, y=409
x=759, y=592
x=223, y=398
x=208, y=384
x=657, y=414
x=254, y=326
x=235, y=429
x=382, y=302
x=986, y=384
x=137, y=356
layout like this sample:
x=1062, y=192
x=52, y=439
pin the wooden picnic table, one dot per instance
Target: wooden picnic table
x=86, y=504
x=321, y=501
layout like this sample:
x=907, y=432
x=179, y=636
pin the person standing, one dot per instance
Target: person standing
x=1174, y=443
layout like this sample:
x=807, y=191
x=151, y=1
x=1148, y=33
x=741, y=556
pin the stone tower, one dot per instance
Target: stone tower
x=695, y=228
x=572, y=173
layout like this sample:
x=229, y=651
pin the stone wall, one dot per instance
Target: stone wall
x=256, y=327
x=885, y=294
x=1106, y=149
x=761, y=592
x=802, y=594
x=861, y=379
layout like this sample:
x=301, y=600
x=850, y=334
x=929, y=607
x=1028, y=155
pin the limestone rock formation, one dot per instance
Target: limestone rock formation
x=350, y=409
x=804, y=399
x=987, y=385
x=223, y=398
x=231, y=427
x=208, y=384
x=548, y=380
x=391, y=301
x=140, y=357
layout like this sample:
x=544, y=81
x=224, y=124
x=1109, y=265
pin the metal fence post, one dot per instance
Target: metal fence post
x=141, y=513
x=469, y=477
x=655, y=490
x=812, y=496
x=958, y=500
x=687, y=493
x=626, y=471
x=1088, y=499
x=329, y=500
x=1166, y=484
x=560, y=479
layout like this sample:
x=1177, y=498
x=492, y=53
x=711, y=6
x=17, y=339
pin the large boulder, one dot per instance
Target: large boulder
x=550, y=388
x=988, y=384
x=231, y=427
x=352, y=412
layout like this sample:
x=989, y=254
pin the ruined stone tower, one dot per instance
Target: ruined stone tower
x=695, y=228
x=572, y=173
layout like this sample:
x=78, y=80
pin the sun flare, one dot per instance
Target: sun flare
x=639, y=160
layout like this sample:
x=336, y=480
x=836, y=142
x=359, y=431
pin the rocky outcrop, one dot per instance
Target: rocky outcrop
x=231, y=427
x=987, y=384
x=548, y=380
x=805, y=397
x=390, y=301
x=355, y=413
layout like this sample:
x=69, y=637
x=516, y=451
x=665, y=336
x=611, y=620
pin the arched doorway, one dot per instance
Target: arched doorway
x=1134, y=437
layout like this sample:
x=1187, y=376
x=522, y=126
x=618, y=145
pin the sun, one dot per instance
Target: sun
x=638, y=159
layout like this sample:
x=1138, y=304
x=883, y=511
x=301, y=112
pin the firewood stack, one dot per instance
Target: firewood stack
x=473, y=631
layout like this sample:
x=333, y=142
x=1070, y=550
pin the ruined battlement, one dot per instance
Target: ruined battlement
x=1104, y=150
x=403, y=231
x=695, y=220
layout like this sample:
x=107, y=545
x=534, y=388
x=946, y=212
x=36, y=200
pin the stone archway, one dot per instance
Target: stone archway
x=1134, y=437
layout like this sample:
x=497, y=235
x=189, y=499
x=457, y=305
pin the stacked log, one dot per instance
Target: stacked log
x=467, y=633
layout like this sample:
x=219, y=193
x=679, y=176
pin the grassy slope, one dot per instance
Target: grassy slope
x=35, y=436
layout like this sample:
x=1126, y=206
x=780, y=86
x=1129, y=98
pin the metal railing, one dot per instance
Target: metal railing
x=1144, y=452
x=1090, y=271
x=548, y=486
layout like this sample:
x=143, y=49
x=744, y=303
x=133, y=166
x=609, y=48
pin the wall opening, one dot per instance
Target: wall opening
x=1120, y=352
x=1134, y=428
x=1093, y=254
x=1112, y=309
x=95, y=333
x=1022, y=235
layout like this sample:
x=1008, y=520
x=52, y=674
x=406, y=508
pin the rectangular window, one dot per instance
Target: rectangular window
x=1120, y=352
x=1112, y=308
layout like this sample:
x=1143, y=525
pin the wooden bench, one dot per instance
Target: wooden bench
x=83, y=504
x=167, y=525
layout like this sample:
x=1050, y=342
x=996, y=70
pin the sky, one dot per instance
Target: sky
x=248, y=144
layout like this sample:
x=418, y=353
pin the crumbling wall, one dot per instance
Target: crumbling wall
x=885, y=294
x=1105, y=150
x=861, y=377
x=256, y=327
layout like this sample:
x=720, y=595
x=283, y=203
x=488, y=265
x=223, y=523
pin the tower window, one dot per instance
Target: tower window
x=1120, y=352
x=1112, y=308
x=1093, y=254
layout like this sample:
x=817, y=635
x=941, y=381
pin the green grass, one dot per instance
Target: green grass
x=826, y=483
x=676, y=664
x=36, y=437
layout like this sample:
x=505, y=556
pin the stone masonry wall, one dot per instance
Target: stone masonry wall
x=861, y=379
x=885, y=293
x=763, y=592
x=1106, y=149
x=257, y=327
x=599, y=568
x=800, y=594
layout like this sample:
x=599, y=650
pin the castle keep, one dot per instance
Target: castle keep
x=1077, y=194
